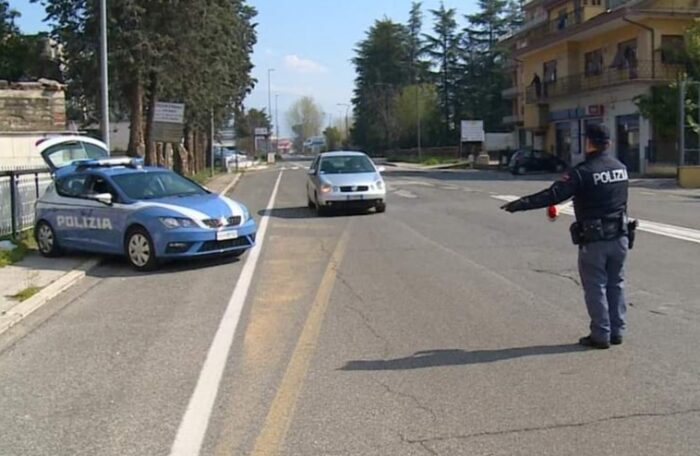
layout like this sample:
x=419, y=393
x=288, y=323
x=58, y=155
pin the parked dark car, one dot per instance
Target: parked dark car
x=528, y=160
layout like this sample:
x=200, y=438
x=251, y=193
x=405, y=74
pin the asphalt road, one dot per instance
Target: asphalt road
x=443, y=326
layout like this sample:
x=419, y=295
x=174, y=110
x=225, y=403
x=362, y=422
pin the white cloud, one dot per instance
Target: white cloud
x=295, y=63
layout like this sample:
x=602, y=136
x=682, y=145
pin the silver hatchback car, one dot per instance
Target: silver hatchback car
x=345, y=180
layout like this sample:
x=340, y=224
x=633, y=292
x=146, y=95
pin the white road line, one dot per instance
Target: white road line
x=663, y=229
x=406, y=194
x=193, y=427
x=231, y=184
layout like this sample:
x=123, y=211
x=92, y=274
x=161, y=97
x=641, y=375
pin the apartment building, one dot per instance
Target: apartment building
x=576, y=62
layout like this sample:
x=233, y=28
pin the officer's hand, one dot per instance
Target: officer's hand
x=514, y=206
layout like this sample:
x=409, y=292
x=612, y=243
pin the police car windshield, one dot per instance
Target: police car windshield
x=152, y=185
x=346, y=164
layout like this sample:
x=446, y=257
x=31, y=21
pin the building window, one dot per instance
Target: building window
x=626, y=56
x=550, y=71
x=594, y=62
x=596, y=2
x=672, y=49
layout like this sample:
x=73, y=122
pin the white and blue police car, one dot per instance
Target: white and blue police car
x=118, y=206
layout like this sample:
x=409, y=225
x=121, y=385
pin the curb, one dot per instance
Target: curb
x=22, y=310
x=231, y=184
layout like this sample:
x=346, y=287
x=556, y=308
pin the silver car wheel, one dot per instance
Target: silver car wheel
x=45, y=238
x=139, y=249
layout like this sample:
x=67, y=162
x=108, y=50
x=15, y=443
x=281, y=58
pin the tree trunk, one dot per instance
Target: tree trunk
x=136, y=119
x=150, y=141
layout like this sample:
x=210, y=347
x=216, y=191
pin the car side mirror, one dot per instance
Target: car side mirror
x=312, y=172
x=381, y=169
x=104, y=198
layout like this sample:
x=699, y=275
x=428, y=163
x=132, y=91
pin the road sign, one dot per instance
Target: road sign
x=473, y=131
x=169, y=113
x=168, y=119
x=261, y=131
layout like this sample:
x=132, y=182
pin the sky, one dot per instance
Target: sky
x=308, y=43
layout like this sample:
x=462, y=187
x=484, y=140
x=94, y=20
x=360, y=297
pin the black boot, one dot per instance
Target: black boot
x=616, y=340
x=588, y=341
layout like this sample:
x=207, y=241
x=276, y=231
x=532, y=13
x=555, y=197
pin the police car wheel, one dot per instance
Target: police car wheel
x=46, y=239
x=139, y=250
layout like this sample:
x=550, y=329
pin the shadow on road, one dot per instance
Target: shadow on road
x=116, y=266
x=301, y=212
x=456, y=357
x=471, y=175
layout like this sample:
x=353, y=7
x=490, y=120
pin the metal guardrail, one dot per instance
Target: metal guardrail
x=569, y=85
x=20, y=188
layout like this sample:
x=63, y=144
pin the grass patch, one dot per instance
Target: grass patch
x=427, y=161
x=205, y=176
x=24, y=243
x=25, y=294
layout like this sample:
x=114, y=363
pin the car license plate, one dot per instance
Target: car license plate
x=226, y=235
x=355, y=197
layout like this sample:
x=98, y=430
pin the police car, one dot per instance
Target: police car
x=118, y=206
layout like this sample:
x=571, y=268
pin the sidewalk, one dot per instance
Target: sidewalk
x=30, y=283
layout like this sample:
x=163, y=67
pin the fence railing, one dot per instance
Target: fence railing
x=19, y=190
x=569, y=85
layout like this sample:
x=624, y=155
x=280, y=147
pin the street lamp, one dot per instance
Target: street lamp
x=269, y=105
x=277, y=123
x=104, y=75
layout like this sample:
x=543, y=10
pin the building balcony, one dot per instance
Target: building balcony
x=643, y=71
x=509, y=93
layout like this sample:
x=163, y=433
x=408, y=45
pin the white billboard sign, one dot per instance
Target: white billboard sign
x=169, y=112
x=261, y=131
x=473, y=131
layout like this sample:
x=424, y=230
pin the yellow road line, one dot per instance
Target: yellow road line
x=279, y=417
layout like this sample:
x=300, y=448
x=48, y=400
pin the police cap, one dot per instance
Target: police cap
x=598, y=134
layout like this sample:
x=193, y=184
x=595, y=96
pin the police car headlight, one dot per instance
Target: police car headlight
x=246, y=213
x=176, y=222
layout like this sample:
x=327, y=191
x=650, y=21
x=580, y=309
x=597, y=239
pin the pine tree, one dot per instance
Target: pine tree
x=444, y=50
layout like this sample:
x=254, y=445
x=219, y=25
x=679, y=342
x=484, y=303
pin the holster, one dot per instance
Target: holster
x=631, y=232
x=595, y=230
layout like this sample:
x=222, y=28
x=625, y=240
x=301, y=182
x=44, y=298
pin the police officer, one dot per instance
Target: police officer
x=602, y=231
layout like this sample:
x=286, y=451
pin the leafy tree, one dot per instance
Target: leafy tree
x=444, y=49
x=485, y=77
x=247, y=122
x=381, y=71
x=660, y=105
x=305, y=117
x=192, y=52
x=333, y=138
x=414, y=103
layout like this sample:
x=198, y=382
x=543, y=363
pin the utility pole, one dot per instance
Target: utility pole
x=211, y=142
x=269, y=107
x=104, y=75
x=418, y=116
x=347, y=128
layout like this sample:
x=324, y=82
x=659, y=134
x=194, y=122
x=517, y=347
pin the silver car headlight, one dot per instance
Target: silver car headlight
x=326, y=188
x=379, y=185
x=176, y=222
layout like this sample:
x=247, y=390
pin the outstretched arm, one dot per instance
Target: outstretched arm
x=560, y=191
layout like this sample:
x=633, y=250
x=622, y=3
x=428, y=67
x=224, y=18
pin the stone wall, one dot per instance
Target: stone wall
x=29, y=111
x=32, y=107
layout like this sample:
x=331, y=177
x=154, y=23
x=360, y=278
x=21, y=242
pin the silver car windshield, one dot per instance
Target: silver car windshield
x=346, y=164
